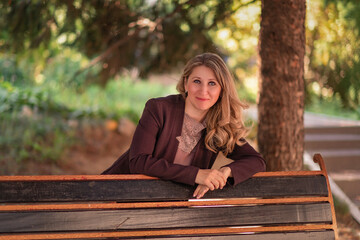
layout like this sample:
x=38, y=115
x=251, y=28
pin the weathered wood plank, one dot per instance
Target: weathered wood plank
x=285, y=232
x=164, y=218
x=192, y=203
x=137, y=176
x=323, y=235
x=127, y=190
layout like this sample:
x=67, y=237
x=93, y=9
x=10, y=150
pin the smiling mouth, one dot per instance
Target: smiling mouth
x=201, y=99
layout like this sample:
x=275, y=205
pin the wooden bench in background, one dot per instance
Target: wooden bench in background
x=270, y=205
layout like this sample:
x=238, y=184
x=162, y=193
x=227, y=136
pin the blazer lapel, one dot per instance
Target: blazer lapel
x=176, y=119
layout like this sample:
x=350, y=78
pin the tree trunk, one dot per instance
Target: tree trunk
x=281, y=103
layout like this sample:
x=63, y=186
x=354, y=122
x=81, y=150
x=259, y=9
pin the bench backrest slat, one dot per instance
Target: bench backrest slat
x=165, y=218
x=203, y=234
x=153, y=189
x=325, y=235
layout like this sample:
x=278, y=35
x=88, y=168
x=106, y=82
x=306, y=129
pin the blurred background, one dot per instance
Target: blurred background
x=70, y=65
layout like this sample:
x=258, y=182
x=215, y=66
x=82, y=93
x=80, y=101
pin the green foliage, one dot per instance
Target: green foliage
x=153, y=36
x=51, y=42
x=42, y=138
x=14, y=100
x=332, y=107
x=246, y=94
x=66, y=103
x=38, y=123
x=9, y=72
x=334, y=51
x=341, y=207
x=32, y=125
x=237, y=36
x=119, y=98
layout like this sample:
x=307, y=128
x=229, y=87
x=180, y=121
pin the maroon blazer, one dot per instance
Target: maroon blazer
x=154, y=145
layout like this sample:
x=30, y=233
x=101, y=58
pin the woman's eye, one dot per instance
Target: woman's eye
x=196, y=81
x=212, y=83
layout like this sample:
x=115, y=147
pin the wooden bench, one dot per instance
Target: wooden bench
x=270, y=205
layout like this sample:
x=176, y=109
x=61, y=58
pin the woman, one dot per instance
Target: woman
x=179, y=136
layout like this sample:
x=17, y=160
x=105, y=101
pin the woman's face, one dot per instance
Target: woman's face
x=203, y=92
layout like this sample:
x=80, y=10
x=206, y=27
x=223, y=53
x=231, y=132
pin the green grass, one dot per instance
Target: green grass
x=41, y=138
x=118, y=99
x=332, y=107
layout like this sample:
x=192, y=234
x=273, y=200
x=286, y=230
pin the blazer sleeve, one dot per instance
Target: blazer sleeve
x=141, y=159
x=247, y=162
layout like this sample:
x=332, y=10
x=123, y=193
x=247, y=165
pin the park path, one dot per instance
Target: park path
x=338, y=141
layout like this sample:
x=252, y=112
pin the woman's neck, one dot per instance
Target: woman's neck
x=198, y=115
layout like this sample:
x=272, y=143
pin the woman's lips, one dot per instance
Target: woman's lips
x=201, y=99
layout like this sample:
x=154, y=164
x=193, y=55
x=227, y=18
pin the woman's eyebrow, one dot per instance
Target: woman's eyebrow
x=212, y=79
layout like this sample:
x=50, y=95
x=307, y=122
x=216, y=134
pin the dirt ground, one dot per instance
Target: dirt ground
x=100, y=147
x=96, y=149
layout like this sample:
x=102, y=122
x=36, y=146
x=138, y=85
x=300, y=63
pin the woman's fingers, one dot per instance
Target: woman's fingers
x=200, y=191
x=211, y=186
x=218, y=180
x=212, y=178
x=215, y=182
x=197, y=190
x=223, y=179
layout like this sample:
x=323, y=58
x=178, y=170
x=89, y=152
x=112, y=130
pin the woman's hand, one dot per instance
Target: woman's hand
x=202, y=188
x=200, y=191
x=212, y=178
x=226, y=171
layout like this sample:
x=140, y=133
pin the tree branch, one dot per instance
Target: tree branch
x=229, y=13
x=143, y=23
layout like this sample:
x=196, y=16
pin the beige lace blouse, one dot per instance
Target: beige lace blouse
x=190, y=136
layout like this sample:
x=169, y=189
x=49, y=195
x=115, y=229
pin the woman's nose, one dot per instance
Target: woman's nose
x=204, y=88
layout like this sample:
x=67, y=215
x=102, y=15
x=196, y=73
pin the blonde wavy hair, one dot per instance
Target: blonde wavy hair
x=224, y=123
